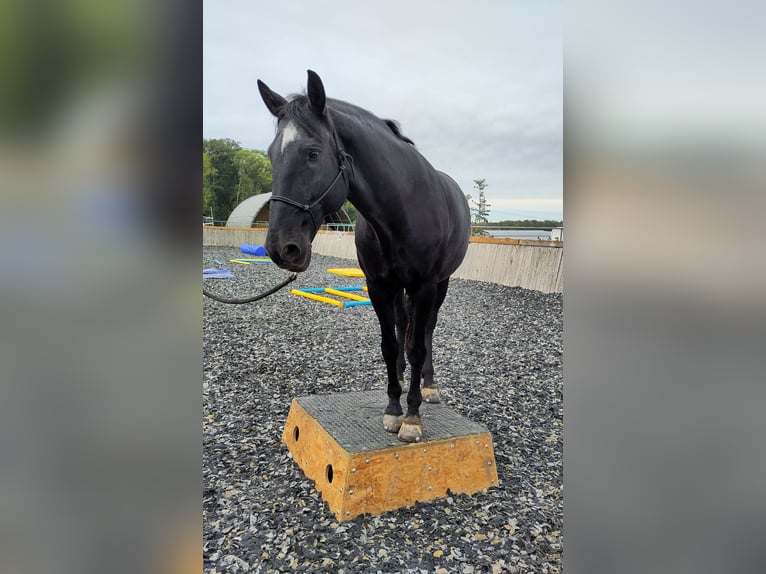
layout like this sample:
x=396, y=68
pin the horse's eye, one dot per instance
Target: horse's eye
x=313, y=154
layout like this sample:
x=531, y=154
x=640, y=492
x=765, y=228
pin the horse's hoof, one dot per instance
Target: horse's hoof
x=392, y=423
x=410, y=432
x=430, y=395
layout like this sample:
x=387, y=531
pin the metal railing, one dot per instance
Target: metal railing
x=517, y=232
x=344, y=227
x=511, y=232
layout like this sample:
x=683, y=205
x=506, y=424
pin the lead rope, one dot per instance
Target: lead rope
x=236, y=301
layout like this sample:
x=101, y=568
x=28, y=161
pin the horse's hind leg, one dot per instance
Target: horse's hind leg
x=421, y=309
x=382, y=299
x=400, y=318
x=429, y=392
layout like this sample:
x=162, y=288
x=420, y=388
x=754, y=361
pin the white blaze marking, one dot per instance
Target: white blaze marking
x=289, y=134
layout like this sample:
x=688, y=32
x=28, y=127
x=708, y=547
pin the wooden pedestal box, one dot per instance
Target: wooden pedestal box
x=339, y=442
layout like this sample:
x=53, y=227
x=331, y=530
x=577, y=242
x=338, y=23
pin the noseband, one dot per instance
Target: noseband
x=344, y=160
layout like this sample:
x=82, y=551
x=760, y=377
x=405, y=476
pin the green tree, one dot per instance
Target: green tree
x=253, y=172
x=224, y=185
x=480, y=209
x=231, y=174
x=208, y=178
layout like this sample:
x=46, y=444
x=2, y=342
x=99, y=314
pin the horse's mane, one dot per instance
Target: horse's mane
x=394, y=125
x=298, y=109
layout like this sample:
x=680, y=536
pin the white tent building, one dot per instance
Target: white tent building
x=254, y=212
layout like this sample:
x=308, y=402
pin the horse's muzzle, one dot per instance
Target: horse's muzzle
x=290, y=256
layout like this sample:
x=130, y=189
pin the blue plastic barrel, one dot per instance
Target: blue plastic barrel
x=257, y=250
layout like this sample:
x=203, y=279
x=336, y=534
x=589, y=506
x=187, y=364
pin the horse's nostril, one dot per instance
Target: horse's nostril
x=291, y=251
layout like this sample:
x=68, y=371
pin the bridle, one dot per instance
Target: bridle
x=344, y=160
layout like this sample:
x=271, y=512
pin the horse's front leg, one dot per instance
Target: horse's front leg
x=421, y=309
x=382, y=299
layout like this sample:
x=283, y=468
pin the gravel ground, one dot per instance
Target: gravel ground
x=498, y=361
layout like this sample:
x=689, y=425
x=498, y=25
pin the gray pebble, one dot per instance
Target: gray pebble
x=498, y=361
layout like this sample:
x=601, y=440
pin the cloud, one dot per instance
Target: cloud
x=478, y=85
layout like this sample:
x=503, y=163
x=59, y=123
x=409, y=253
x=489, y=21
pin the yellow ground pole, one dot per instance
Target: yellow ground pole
x=317, y=297
x=345, y=294
x=347, y=271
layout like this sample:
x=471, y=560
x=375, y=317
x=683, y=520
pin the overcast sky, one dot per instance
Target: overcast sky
x=476, y=85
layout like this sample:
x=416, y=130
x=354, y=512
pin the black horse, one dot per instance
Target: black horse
x=411, y=233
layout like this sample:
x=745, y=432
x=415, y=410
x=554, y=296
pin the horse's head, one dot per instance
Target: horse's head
x=309, y=173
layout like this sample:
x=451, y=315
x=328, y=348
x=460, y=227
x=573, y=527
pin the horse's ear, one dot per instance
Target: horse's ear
x=273, y=100
x=316, y=93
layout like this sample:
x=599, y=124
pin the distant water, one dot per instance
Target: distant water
x=520, y=233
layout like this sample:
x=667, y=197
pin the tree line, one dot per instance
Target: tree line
x=231, y=174
x=536, y=223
